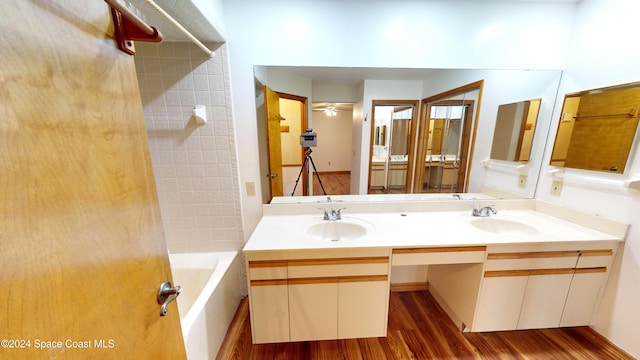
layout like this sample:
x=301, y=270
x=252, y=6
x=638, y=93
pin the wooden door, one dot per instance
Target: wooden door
x=272, y=114
x=82, y=245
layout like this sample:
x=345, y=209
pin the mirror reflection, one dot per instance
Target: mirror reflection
x=514, y=130
x=390, y=163
x=347, y=143
x=447, y=136
x=597, y=128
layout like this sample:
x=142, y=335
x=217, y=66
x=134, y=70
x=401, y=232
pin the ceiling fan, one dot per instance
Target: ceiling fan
x=331, y=109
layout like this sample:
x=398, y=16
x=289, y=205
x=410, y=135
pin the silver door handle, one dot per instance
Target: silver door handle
x=167, y=294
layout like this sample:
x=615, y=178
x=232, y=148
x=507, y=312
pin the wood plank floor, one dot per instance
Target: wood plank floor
x=419, y=329
x=334, y=183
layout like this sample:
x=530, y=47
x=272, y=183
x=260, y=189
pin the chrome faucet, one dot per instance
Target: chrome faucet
x=483, y=211
x=333, y=215
x=457, y=196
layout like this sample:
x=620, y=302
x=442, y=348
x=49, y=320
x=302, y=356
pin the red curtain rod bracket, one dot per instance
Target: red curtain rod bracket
x=128, y=28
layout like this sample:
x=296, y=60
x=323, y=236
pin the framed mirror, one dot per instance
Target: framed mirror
x=514, y=130
x=597, y=129
x=360, y=86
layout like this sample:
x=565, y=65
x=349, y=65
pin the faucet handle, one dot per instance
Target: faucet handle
x=326, y=214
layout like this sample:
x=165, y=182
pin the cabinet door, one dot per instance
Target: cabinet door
x=362, y=309
x=313, y=310
x=500, y=303
x=377, y=175
x=544, y=301
x=582, y=298
x=270, y=313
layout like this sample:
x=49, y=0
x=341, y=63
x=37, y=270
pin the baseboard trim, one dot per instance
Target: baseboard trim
x=334, y=172
x=412, y=286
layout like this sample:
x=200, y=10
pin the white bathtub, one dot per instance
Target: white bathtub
x=209, y=299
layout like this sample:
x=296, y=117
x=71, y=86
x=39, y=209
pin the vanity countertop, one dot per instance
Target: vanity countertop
x=451, y=227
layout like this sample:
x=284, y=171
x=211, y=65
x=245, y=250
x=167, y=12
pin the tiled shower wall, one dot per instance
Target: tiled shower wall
x=195, y=166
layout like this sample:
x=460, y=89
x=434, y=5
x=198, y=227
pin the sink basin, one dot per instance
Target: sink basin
x=339, y=230
x=503, y=226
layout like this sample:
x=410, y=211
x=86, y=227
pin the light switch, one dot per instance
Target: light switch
x=251, y=188
x=556, y=187
x=522, y=181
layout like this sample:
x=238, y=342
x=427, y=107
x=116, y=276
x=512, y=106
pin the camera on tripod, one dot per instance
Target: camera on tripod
x=309, y=139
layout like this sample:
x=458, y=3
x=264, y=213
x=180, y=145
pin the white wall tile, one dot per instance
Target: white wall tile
x=196, y=180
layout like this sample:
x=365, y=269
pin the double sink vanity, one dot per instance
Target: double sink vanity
x=322, y=269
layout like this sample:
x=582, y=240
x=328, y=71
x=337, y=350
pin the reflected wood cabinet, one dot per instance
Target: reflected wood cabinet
x=318, y=295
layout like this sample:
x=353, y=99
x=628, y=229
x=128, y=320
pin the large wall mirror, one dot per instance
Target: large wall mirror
x=514, y=130
x=597, y=128
x=373, y=141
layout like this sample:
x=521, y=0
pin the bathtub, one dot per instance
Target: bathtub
x=209, y=299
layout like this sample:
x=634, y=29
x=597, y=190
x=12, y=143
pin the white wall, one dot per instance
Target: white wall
x=370, y=33
x=334, y=141
x=603, y=28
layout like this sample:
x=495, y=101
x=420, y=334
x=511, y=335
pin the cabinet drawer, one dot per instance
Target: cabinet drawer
x=442, y=255
x=267, y=269
x=268, y=273
x=595, y=258
x=531, y=260
x=377, y=265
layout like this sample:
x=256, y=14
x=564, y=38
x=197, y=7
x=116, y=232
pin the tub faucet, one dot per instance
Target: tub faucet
x=484, y=211
x=457, y=196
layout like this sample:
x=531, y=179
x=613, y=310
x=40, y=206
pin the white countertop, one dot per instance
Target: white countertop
x=418, y=229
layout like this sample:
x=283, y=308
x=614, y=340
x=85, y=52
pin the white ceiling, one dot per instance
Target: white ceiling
x=353, y=75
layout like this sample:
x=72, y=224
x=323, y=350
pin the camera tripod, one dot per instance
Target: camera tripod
x=307, y=160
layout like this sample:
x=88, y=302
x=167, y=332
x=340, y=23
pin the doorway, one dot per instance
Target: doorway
x=283, y=118
x=392, y=146
x=447, y=132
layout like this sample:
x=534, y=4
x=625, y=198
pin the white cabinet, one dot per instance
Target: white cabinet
x=541, y=286
x=269, y=301
x=582, y=298
x=378, y=175
x=397, y=174
x=362, y=308
x=544, y=300
x=587, y=286
x=319, y=295
x=270, y=313
x=500, y=303
x=313, y=309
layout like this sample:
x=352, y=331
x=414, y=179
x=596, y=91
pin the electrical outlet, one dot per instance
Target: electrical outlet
x=556, y=187
x=522, y=181
x=251, y=188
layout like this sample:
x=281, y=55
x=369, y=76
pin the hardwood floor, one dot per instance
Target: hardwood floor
x=419, y=329
x=334, y=183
